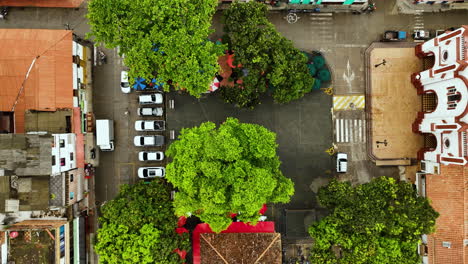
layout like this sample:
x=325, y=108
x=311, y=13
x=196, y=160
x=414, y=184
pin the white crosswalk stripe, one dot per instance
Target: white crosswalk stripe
x=350, y=130
x=323, y=26
x=418, y=21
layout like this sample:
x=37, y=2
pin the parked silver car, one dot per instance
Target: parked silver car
x=150, y=111
x=151, y=172
x=151, y=155
x=150, y=125
x=155, y=98
x=144, y=141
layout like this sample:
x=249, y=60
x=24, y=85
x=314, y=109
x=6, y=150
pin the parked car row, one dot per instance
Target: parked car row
x=151, y=105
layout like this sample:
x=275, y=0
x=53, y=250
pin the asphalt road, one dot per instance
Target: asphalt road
x=304, y=127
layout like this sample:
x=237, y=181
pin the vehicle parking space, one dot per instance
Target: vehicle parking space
x=148, y=132
x=121, y=165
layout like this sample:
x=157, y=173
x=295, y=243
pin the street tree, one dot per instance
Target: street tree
x=138, y=226
x=378, y=222
x=167, y=38
x=269, y=58
x=230, y=169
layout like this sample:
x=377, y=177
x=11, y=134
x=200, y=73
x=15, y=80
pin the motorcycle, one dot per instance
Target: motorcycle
x=102, y=57
x=3, y=12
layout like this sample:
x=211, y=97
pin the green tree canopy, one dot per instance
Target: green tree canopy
x=230, y=169
x=269, y=57
x=378, y=222
x=164, y=37
x=138, y=226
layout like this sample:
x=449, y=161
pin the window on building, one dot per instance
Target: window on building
x=68, y=123
x=72, y=195
x=445, y=55
x=71, y=155
x=7, y=123
x=454, y=97
x=53, y=160
x=451, y=106
x=62, y=161
x=62, y=143
x=447, y=244
x=71, y=177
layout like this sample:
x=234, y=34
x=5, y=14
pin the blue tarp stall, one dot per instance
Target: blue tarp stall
x=157, y=84
x=139, y=84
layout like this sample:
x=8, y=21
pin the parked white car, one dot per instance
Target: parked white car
x=151, y=155
x=155, y=98
x=151, y=172
x=150, y=111
x=342, y=162
x=150, y=125
x=143, y=141
x=124, y=84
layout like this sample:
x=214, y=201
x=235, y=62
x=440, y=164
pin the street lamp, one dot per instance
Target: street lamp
x=382, y=63
x=381, y=142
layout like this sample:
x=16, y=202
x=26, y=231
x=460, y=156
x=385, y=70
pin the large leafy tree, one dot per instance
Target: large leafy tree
x=138, y=226
x=164, y=37
x=378, y=222
x=230, y=169
x=270, y=59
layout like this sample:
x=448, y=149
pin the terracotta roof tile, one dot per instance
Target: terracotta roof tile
x=449, y=196
x=49, y=85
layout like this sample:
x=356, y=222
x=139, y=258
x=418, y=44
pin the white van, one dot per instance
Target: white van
x=342, y=162
x=105, y=134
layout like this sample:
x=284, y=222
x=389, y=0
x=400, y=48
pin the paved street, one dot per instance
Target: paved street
x=305, y=128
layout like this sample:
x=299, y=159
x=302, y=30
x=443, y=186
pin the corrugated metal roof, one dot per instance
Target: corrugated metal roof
x=49, y=85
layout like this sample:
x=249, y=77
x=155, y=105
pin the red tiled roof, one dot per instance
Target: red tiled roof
x=49, y=85
x=449, y=196
x=235, y=227
x=42, y=3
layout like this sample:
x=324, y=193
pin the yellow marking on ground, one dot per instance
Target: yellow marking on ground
x=330, y=151
x=348, y=102
x=328, y=90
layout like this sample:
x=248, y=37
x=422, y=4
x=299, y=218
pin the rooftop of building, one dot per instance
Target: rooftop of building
x=26, y=155
x=48, y=86
x=449, y=197
x=24, y=193
x=56, y=122
x=392, y=101
x=240, y=243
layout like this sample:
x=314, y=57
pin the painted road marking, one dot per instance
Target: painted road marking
x=348, y=102
x=418, y=21
x=323, y=24
x=350, y=130
x=349, y=76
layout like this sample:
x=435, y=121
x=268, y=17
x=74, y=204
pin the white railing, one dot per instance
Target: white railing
x=465, y=151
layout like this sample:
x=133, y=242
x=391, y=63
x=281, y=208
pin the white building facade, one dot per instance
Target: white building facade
x=448, y=80
x=63, y=153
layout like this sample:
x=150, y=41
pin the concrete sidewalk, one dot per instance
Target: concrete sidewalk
x=408, y=7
